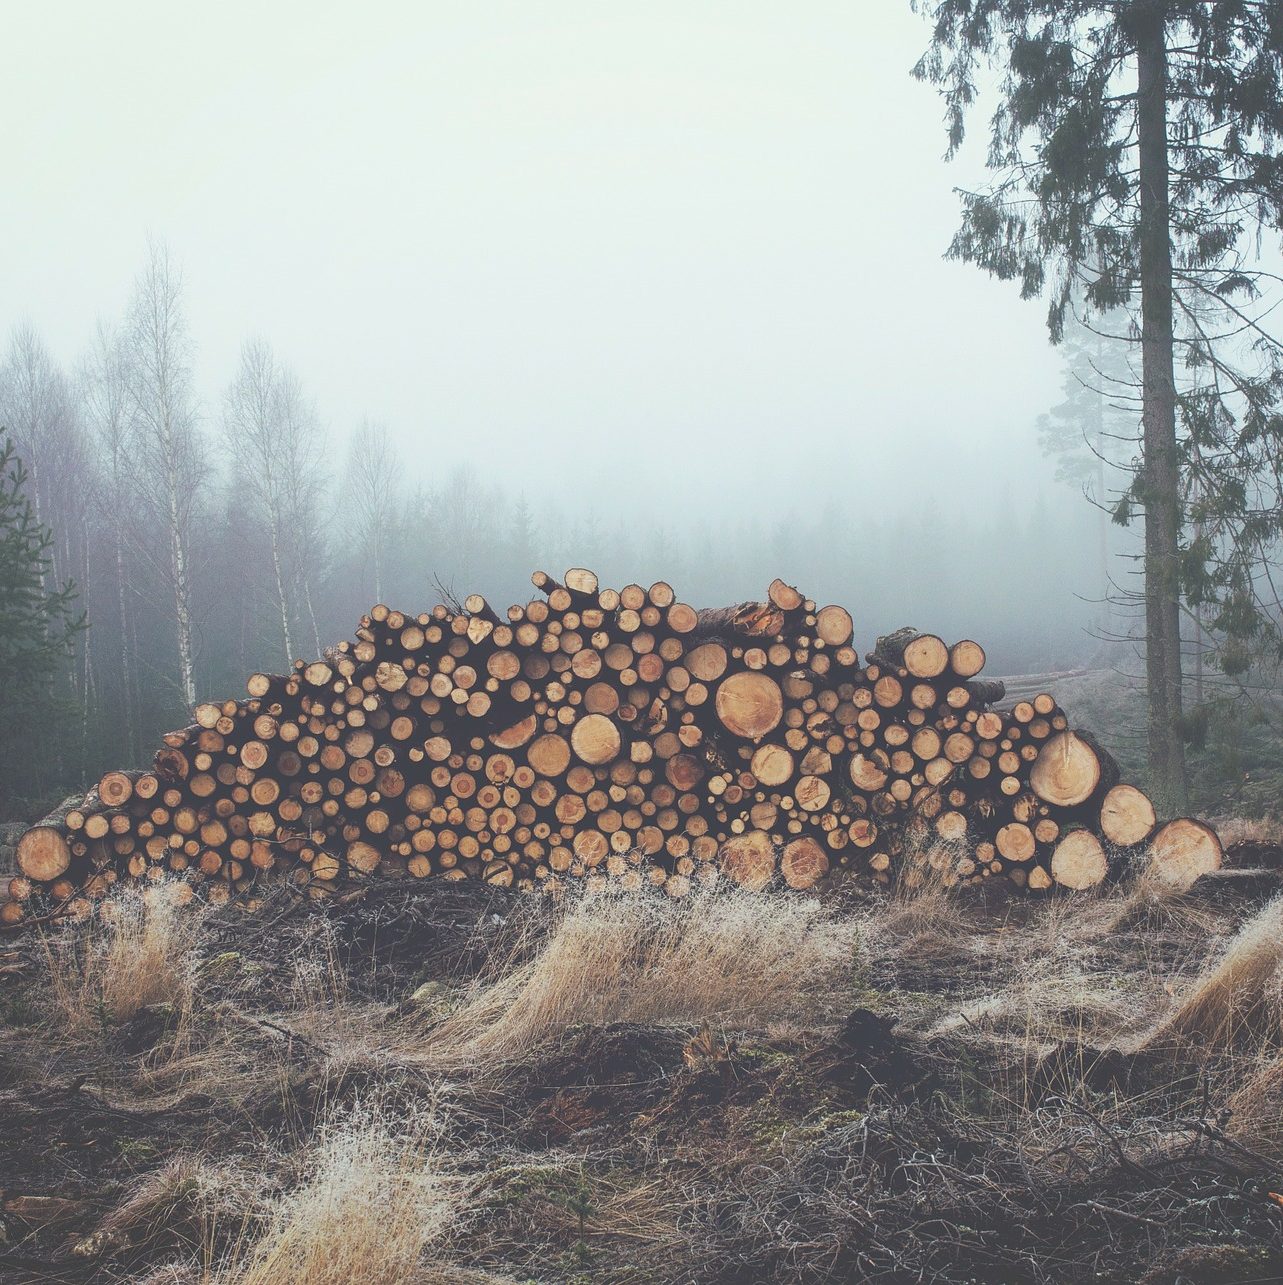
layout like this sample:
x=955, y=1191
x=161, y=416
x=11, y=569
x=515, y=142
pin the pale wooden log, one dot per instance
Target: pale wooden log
x=1184, y=849
x=771, y=764
x=834, y=626
x=595, y=739
x=1079, y=860
x=1127, y=816
x=803, y=863
x=749, y=859
x=43, y=852
x=749, y=704
x=784, y=596
x=966, y=658
x=1068, y=770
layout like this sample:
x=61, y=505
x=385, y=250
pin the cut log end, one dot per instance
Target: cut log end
x=749, y=704
x=1066, y=772
x=749, y=860
x=1079, y=860
x=803, y=863
x=43, y=853
x=1183, y=850
x=1127, y=816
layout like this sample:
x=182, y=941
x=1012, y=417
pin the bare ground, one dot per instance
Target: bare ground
x=442, y=1082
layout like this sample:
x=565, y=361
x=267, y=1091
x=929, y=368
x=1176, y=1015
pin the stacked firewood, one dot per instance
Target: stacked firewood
x=603, y=734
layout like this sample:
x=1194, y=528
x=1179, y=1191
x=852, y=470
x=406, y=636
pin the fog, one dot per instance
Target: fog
x=674, y=273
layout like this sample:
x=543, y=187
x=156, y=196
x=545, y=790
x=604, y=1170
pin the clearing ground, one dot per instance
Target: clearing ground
x=448, y=1082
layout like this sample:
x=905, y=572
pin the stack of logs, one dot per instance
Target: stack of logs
x=623, y=735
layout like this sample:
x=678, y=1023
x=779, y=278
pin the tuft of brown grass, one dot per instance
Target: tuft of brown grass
x=136, y=952
x=716, y=956
x=1238, y=1001
x=371, y=1202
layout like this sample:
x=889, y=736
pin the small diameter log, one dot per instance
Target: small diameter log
x=923, y=655
x=1184, y=849
x=1079, y=860
x=43, y=851
x=986, y=691
x=966, y=658
x=1127, y=816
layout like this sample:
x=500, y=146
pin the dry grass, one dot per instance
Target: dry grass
x=716, y=956
x=1267, y=830
x=1256, y=1108
x=1238, y=1001
x=178, y=1205
x=136, y=952
x=371, y=1202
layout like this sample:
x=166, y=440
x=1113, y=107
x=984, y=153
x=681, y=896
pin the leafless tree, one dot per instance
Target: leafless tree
x=169, y=454
x=303, y=454
x=108, y=410
x=38, y=410
x=274, y=441
x=372, y=479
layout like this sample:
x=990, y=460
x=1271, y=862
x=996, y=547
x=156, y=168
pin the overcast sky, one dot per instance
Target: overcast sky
x=687, y=247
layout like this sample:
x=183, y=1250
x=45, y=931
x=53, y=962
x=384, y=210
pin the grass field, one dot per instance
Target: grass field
x=444, y=1082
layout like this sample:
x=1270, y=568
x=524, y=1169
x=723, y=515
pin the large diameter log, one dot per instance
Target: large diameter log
x=549, y=755
x=1015, y=842
x=115, y=789
x=43, y=851
x=595, y=739
x=1068, y=769
x=834, y=626
x=1127, y=816
x=1079, y=860
x=771, y=764
x=803, y=863
x=784, y=596
x=749, y=859
x=1184, y=849
x=749, y=704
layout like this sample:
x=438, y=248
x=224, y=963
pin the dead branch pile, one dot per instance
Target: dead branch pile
x=620, y=735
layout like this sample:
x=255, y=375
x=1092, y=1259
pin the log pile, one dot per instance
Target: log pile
x=621, y=735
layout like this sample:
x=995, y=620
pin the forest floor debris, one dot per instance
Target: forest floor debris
x=950, y=1085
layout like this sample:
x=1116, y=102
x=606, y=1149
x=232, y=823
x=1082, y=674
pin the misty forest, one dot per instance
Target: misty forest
x=643, y=645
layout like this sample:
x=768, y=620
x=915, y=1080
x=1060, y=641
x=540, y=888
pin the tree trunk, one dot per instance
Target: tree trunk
x=281, y=601
x=1161, y=468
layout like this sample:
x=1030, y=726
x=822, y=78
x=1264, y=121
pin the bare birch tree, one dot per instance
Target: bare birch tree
x=169, y=455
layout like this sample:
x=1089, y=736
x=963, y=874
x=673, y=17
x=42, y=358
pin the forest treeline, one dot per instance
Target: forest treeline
x=213, y=532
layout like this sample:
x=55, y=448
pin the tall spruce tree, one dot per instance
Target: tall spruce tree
x=1135, y=159
x=38, y=627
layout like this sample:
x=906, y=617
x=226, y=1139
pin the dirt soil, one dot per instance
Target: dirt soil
x=979, y=1104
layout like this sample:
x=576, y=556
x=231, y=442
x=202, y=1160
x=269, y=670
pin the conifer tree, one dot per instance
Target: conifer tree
x=1135, y=159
